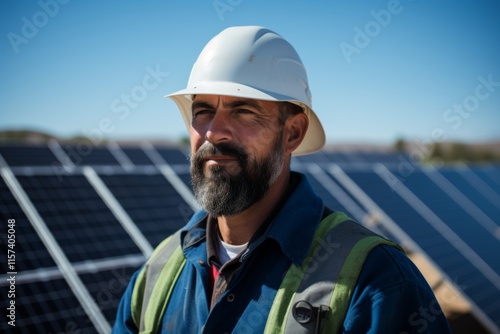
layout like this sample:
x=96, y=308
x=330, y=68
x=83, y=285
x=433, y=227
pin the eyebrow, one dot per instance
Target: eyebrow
x=242, y=103
x=232, y=104
x=201, y=104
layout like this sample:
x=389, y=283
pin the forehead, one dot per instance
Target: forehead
x=231, y=101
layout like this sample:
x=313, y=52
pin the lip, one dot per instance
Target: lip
x=219, y=160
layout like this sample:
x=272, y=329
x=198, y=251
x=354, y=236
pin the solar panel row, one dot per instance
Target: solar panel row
x=107, y=218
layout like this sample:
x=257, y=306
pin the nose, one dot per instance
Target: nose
x=219, y=129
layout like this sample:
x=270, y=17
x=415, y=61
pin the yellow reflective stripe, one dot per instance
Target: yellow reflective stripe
x=280, y=309
x=167, y=259
x=347, y=279
x=136, y=304
x=162, y=290
x=136, y=301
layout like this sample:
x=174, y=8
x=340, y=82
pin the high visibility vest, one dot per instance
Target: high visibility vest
x=311, y=299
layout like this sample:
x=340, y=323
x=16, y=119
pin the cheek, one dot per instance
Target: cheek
x=262, y=146
x=267, y=138
x=197, y=139
x=260, y=132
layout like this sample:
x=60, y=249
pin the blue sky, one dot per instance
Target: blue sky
x=378, y=70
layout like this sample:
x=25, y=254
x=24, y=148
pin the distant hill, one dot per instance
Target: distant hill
x=451, y=152
x=25, y=136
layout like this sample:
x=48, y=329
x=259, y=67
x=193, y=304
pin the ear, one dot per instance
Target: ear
x=294, y=131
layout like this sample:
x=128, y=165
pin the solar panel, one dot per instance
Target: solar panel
x=82, y=224
x=85, y=153
x=152, y=203
x=45, y=307
x=31, y=253
x=392, y=204
x=490, y=175
x=466, y=226
x=156, y=199
x=345, y=157
x=383, y=157
x=186, y=178
x=318, y=157
x=27, y=155
x=460, y=263
x=329, y=200
x=107, y=286
x=173, y=155
x=137, y=156
x=478, y=192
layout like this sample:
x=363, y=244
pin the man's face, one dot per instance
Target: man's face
x=236, y=151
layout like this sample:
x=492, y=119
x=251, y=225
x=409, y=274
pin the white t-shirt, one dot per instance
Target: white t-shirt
x=228, y=252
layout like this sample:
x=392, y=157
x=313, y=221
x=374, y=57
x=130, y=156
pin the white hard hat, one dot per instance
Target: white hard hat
x=252, y=62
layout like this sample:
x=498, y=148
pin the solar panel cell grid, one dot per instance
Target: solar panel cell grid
x=45, y=307
x=318, y=157
x=456, y=217
x=83, y=233
x=186, y=178
x=106, y=288
x=151, y=202
x=337, y=157
x=392, y=204
x=88, y=154
x=31, y=253
x=23, y=155
x=173, y=156
x=490, y=176
x=329, y=200
x=474, y=192
x=137, y=156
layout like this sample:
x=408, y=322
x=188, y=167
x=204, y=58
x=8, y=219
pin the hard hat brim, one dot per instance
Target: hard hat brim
x=314, y=138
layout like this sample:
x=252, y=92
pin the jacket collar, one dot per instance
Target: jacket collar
x=295, y=224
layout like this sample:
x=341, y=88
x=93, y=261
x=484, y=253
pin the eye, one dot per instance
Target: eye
x=201, y=112
x=244, y=111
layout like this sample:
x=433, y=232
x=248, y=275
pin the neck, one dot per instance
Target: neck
x=240, y=228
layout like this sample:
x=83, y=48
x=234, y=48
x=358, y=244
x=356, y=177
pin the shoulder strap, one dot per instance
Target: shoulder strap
x=326, y=279
x=155, y=283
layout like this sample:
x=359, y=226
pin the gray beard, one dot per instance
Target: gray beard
x=224, y=194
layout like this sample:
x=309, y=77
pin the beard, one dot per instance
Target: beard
x=224, y=192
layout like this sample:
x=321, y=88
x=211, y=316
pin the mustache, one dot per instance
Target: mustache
x=208, y=149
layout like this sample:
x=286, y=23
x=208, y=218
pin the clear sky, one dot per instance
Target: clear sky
x=378, y=69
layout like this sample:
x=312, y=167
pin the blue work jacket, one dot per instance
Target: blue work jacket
x=391, y=295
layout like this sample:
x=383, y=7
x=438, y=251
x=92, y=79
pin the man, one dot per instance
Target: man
x=265, y=255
